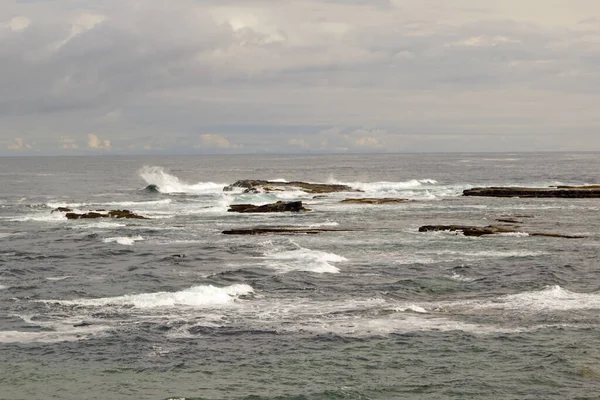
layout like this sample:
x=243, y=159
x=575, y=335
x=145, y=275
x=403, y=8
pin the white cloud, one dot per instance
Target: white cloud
x=215, y=141
x=94, y=142
x=18, y=24
x=19, y=144
x=68, y=143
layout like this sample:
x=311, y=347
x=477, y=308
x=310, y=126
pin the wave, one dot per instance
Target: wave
x=55, y=205
x=124, y=240
x=196, y=296
x=163, y=182
x=552, y=298
x=2, y=287
x=301, y=259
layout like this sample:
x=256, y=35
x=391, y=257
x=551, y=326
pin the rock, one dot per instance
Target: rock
x=152, y=189
x=281, y=231
x=81, y=324
x=571, y=192
x=61, y=209
x=385, y=200
x=489, y=230
x=509, y=220
x=255, y=186
x=280, y=206
x=466, y=230
x=110, y=214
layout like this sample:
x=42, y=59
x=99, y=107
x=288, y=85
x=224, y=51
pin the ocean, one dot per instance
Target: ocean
x=171, y=308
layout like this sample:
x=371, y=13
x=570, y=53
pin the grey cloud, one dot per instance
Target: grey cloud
x=292, y=68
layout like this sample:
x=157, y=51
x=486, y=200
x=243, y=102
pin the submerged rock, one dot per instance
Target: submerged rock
x=489, y=230
x=61, y=209
x=281, y=231
x=100, y=214
x=255, y=186
x=570, y=192
x=280, y=206
x=384, y=200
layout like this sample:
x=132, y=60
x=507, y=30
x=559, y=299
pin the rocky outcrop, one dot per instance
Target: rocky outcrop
x=280, y=206
x=489, y=230
x=61, y=209
x=255, y=186
x=152, y=189
x=384, y=200
x=569, y=192
x=281, y=231
x=102, y=214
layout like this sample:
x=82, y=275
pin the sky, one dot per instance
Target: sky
x=298, y=76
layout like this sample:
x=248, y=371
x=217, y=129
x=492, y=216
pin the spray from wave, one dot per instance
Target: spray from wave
x=197, y=296
x=159, y=180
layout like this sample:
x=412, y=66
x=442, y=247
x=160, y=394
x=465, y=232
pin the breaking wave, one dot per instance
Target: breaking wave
x=196, y=296
x=160, y=181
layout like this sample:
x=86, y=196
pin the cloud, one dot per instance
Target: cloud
x=68, y=143
x=263, y=78
x=215, y=141
x=18, y=24
x=94, y=142
x=19, y=144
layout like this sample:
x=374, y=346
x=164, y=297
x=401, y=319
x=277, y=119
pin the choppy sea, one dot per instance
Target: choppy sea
x=170, y=307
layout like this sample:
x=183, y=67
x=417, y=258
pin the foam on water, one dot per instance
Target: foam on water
x=99, y=225
x=41, y=217
x=167, y=183
x=124, y=240
x=552, y=298
x=2, y=287
x=302, y=259
x=196, y=296
x=59, y=334
x=431, y=257
x=58, y=278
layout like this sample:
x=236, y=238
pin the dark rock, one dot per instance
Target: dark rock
x=255, y=186
x=280, y=206
x=281, y=231
x=509, y=220
x=81, y=324
x=385, y=200
x=152, y=189
x=488, y=230
x=570, y=192
x=99, y=214
x=61, y=209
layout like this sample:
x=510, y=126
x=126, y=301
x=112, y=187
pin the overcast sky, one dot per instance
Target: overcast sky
x=290, y=76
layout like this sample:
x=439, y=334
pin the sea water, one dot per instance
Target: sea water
x=169, y=307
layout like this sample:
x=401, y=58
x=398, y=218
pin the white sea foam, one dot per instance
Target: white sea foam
x=2, y=287
x=197, y=296
x=552, y=298
x=431, y=257
x=281, y=180
x=322, y=224
x=64, y=334
x=109, y=203
x=514, y=234
x=99, y=225
x=167, y=183
x=389, y=187
x=124, y=240
x=58, y=278
x=41, y=217
x=302, y=259
x=458, y=277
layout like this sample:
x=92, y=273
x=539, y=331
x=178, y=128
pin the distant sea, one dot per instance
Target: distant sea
x=169, y=307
